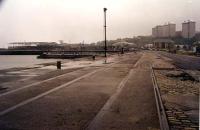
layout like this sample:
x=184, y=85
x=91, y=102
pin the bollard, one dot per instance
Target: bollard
x=105, y=61
x=122, y=50
x=58, y=64
x=93, y=57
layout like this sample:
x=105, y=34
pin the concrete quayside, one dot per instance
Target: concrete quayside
x=95, y=95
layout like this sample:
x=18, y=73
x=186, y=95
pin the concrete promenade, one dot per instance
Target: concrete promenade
x=87, y=94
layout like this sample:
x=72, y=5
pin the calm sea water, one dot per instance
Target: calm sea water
x=10, y=61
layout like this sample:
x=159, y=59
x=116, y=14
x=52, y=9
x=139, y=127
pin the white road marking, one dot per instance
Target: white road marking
x=46, y=93
x=50, y=91
x=33, y=84
x=94, y=124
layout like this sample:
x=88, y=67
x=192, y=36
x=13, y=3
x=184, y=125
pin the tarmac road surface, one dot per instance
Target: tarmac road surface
x=184, y=61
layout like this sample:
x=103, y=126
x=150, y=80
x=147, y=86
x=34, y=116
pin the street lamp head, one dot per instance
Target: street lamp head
x=105, y=9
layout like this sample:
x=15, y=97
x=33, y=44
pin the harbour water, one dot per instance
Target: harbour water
x=13, y=61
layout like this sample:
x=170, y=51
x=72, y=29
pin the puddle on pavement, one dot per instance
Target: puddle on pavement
x=19, y=73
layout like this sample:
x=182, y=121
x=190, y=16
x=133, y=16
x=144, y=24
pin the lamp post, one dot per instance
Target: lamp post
x=105, y=9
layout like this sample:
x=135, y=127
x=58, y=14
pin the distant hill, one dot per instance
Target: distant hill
x=139, y=41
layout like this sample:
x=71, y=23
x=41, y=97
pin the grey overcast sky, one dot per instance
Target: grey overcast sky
x=77, y=20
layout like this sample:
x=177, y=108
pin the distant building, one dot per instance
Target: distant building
x=188, y=29
x=160, y=31
x=164, y=31
x=172, y=30
x=163, y=44
x=197, y=35
x=148, y=45
x=178, y=33
x=155, y=32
